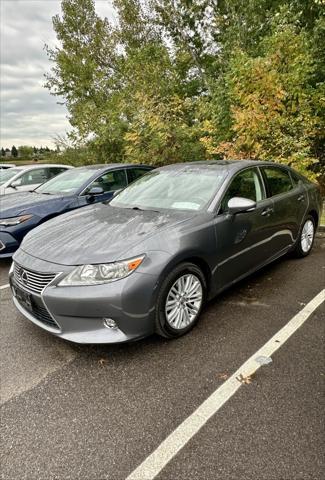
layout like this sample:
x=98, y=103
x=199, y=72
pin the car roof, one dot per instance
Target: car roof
x=107, y=166
x=229, y=165
x=40, y=165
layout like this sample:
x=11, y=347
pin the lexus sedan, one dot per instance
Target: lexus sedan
x=21, y=212
x=149, y=259
x=27, y=177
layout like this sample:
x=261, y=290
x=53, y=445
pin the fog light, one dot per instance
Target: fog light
x=110, y=323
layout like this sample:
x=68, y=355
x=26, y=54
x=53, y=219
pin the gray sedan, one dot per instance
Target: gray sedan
x=148, y=260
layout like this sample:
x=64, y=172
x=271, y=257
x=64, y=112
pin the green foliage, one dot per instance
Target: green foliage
x=14, y=151
x=174, y=81
x=25, y=151
x=274, y=104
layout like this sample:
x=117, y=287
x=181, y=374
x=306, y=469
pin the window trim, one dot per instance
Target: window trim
x=83, y=194
x=263, y=167
x=261, y=179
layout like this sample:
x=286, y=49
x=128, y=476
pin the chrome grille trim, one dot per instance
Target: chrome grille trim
x=2, y=246
x=33, y=282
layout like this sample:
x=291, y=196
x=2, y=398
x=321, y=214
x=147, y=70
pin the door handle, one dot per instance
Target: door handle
x=267, y=212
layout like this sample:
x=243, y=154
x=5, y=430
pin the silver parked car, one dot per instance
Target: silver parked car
x=27, y=177
x=148, y=260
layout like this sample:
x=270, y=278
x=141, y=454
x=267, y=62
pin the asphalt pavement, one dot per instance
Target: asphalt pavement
x=96, y=412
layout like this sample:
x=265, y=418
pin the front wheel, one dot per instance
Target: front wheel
x=306, y=238
x=180, y=300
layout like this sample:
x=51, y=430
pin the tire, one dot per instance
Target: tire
x=306, y=238
x=185, y=288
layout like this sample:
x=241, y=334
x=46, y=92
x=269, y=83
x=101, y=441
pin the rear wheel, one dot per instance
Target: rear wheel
x=180, y=300
x=306, y=238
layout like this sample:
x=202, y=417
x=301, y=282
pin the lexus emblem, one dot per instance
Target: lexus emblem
x=24, y=277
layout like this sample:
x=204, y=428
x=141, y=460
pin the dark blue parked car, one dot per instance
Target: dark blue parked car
x=75, y=188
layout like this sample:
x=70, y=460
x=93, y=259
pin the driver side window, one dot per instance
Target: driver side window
x=110, y=181
x=246, y=184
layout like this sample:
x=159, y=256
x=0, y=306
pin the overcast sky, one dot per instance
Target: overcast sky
x=29, y=114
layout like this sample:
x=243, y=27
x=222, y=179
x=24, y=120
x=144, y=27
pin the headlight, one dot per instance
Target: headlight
x=9, y=222
x=103, y=273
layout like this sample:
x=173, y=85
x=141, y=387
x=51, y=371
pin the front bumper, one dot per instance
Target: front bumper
x=79, y=313
x=8, y=245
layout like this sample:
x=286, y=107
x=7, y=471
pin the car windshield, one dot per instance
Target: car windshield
x=68, y=182
x=6, y=175
x=188, y=189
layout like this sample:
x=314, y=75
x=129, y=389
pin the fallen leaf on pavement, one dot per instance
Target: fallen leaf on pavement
x=102, y=361
x=245, y=380
x=223, y=376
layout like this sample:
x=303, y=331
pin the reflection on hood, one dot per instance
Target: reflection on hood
x=96, y=234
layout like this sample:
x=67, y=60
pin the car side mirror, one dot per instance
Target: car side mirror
x=240, y=205
x=16, y=183
x=95, y=191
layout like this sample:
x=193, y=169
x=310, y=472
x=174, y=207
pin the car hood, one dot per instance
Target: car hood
x=29, y=202
x=97, y=234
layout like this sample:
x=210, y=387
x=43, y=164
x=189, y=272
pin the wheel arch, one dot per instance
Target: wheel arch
x=191, y=257
x=313, y=213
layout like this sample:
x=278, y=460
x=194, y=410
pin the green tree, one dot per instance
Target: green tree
x=25, y=151
x=273, y=103
x=175, y=80
x=14, y=151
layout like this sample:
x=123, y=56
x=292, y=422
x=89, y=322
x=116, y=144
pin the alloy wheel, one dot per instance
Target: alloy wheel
x=183, y=301
x=307, y=236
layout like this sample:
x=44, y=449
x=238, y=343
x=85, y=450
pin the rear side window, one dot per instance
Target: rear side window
x=246, y=184
x=54, y=171
x=135, y=173
x=294, y=177
x=278, y=180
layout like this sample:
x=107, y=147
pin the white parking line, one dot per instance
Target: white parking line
x=159, y=458
x=2, y=287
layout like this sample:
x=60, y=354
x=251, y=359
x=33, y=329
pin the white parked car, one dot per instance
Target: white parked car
x=28, y=177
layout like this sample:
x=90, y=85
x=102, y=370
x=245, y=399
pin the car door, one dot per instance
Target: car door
x=289, y=202
x=30, y=180
x=243, y=240
x=109, y=182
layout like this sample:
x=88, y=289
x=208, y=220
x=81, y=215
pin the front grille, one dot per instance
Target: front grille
x=42, y=315
x=32, y=281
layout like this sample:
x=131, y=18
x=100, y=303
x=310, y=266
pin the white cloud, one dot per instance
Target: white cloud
x=29, y=114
